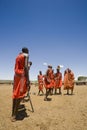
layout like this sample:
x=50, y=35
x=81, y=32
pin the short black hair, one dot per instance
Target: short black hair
x=25, y=50
x=49, y=66
x=40, y=72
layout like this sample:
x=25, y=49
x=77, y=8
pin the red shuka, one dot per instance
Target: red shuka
x=40, y=82
x=20, y=86
x=58, y=80
x=49, y=79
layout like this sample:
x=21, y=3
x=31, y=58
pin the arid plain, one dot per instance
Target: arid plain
x=61, y=112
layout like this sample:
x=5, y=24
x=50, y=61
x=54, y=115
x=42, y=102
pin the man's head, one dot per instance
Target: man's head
x=25, y=50
x=69, y=70
x=58, y=67
x=40, y=72
x=49, y=66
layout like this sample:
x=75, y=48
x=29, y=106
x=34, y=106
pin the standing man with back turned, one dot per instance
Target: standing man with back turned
x=48, y=80
x=58, y=80
x=40, y=82
x=21, y=85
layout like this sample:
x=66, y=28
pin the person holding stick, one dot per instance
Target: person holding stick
x=21, y=84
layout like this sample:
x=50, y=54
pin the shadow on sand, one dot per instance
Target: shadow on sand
x=48, y=99
x=68, y=94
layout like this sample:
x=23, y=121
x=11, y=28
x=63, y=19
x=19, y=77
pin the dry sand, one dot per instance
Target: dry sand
x=63, y=112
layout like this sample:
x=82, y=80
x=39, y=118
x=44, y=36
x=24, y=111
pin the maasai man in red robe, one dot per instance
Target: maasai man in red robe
x=69, y=81
x=48, y=81
x=40, y=82
x=52, y=77
x=58, y=80
x=20, y=85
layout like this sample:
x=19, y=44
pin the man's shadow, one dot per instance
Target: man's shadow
x=69, y=94
x=21, y=112
x=48, y=99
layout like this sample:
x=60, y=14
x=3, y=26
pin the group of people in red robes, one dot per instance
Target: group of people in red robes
x=50, y=81
x=69, y=80
x=53, y=81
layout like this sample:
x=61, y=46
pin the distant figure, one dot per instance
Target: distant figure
x=20, y=85
x=52, y=81
x=58, y=80
x=48, y=82
x=68, y=81
x=40, y=82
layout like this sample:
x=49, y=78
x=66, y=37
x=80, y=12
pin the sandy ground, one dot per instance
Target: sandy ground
x=62, y=112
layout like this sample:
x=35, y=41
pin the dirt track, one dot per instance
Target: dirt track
x=62, y=112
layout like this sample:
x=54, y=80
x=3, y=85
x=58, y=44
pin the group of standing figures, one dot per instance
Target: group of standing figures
x=50, y=81
x=53, y=81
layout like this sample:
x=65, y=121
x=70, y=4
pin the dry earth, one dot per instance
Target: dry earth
x=62, y=112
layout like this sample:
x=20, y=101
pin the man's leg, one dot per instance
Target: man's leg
x=60, y=91
x=39, y=92
x=15, y=106
x=47, y=93
x=72, y=91
x=51, y=91
x=13, y=118
x=55, y=91
x=42, y=92
x=67, y=91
